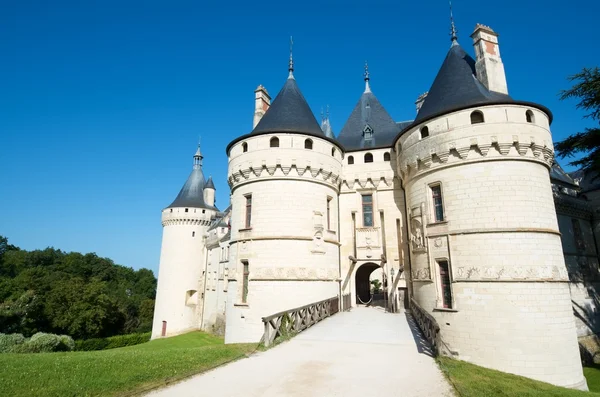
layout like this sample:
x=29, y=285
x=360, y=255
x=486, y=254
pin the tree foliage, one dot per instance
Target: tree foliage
x=81, y=295
x=587, y=90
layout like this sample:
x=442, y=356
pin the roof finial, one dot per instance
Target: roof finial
x=322, y=115
x=198, y=157
x=454, y=37
x=367, y=88
x=327, y=112
x=291, y=64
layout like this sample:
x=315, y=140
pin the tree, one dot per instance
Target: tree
x=587, y=90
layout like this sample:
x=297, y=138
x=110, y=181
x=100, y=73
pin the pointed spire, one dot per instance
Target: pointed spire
x=291, y=63
x=453, y=36
x=198, y=158
x=367, y=87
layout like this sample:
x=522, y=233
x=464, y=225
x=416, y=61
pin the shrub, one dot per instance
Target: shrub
x=67, y=342
x=9, y=341
x=44, y=343
x=111, y=342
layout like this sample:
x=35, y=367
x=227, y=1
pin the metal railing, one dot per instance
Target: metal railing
x=292, y=321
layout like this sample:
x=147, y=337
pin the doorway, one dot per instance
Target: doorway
x=365, y=290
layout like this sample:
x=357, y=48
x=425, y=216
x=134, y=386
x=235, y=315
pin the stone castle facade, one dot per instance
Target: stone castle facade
x=456, y=210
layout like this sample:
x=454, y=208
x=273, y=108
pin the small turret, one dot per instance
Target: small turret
x=209, y=192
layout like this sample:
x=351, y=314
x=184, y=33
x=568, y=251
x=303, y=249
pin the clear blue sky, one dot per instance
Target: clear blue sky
x=102, y=102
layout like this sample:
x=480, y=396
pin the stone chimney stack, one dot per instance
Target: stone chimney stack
x=420, y=100
x=262, y=101
x=489, y=66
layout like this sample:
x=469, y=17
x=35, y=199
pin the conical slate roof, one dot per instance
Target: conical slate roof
x=289, y=112
x=192, y=192
x=456, y=86
x=210, y=184
x=368, y=114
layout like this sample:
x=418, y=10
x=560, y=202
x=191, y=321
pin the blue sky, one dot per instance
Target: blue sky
x=102, y=102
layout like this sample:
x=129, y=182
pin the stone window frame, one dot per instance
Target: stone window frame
x=248, y=211
x=432, y=206
x=439, y=301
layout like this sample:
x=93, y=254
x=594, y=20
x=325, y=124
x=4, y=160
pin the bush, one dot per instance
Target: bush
x=111, y=342
x=42, y=343
x=9, y=341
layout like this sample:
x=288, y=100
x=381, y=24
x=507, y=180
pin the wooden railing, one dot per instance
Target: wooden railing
x=346, y=303
x=428, y=325
x=290, y=322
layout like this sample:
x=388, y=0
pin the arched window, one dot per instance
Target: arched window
x=386, y=156
x=477, y=117
x=350, y=159
x=424, y=132
x=244, y=147
x=368, y=158
x=529, y=116
x=308, y=144
x=274, y=142
x=333, y=152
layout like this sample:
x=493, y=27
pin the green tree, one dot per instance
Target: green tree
x=587, y=90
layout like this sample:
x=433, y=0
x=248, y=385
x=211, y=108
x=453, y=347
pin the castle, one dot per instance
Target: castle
x=455, y=209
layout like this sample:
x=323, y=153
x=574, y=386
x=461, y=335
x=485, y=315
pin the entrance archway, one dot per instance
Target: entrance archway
x=363, y=282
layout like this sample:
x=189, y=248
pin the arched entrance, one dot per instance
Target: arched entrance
x=363, y=283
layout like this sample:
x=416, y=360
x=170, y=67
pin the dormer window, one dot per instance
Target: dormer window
x=368, y=133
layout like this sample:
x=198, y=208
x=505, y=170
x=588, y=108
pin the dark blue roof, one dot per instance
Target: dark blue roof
x=368, y=113
x=289, y=112
x=210, y=184
x=456, y=86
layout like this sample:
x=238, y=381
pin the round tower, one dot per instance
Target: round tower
x=182, y=257
x=284, y=179
x=486, y=256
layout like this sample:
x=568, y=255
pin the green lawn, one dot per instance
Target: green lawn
x=474, y=381
x=123, y=371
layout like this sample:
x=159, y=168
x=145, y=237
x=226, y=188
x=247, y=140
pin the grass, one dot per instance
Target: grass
x=471, y=380
x=123, y=371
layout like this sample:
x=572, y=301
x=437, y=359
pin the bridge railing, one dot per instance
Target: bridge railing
x=296, y=320
x=428, y=325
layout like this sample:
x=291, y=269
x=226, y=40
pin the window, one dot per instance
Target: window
x=367, y=207
x=350, y=159
x=368, y=158
x=424, y=132
x=368, y=133
x=193, y=234
x=244, y=147
x=274, y=142
x=248, y=210
x=186, y=210
x=246, y=274
x=445, y=284
x=529, y=116
x=328, y=213
x=438, y=207
x=477, y=117
x=308, y=144
x=333, y=152
x=386, y=156
x=171, y=209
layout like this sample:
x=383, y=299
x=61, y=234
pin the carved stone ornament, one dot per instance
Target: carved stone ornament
x=417, y=238
x=511, y=273
x=421, y=274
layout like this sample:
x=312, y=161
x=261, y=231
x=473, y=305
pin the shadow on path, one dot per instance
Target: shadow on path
x=423, y=345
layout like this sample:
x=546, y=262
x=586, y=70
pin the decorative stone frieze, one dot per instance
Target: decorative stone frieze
x=511, y=273
x=423, y=274
x=294, y=274
x=184, y=221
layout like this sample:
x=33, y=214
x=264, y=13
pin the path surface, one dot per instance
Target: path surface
x=364, y=352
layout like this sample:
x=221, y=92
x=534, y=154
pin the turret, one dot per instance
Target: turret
x=185, y=220
x=284, y=178
x=209, y=192
x=487, y=269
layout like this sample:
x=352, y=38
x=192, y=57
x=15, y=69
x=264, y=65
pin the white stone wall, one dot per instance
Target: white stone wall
x=182, y=260
x=378, y=179
x=292, y=255
x=215, y=285
x=511, y=308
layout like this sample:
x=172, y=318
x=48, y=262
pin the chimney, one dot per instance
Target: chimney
x=420, y=100
x=262, y=101
x=489, y=67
